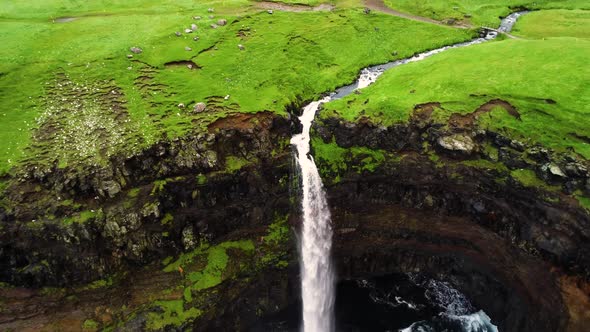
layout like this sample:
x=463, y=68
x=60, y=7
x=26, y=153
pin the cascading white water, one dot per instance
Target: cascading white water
x=317, y=276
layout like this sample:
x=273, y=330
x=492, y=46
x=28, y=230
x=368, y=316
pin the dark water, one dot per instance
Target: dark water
x=412, y=303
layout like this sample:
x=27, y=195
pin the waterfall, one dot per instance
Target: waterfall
x=317, y=275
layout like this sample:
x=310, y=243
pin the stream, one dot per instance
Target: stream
x=318, y=291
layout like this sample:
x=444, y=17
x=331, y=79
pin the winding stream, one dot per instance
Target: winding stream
x=317, y=272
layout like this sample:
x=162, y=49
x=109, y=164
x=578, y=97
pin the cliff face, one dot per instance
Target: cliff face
x=503, y=222
x=69, y=226
x=194, y=232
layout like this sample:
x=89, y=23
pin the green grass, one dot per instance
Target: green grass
x=523, y=72
x=174, y=314
x=333, y=160
x=287, y=56
x=90, y=324
x=528, y=178
x=480, y=13
x=554, y=23
x=216, y=261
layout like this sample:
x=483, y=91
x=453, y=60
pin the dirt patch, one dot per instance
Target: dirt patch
x=423, y=112
x=244, y=121
x=182, y=63
x=293, y=8
x=467, y=121
x=378, y=5
x=64, y=19
x=576, y=295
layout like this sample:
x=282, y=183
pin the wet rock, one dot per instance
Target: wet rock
x=511, y=158
x=457, y=142
x=576, y=169
x=221, y=22
x=199, y=107
x=136, y=50
x=538, y=154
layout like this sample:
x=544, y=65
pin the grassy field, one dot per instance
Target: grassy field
x=478, y=12
x=526, y=73
x=554, y=23
x=71, y=78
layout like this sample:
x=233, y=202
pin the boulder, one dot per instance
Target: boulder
x=457, y=142
x=199, y=107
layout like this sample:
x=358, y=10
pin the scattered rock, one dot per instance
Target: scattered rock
x=195, y=38
x=199, y=107
x=241, y=47
x=211, y=16
x=269, y=11
x=196, y=18
x=188, y=30
x=136, y=50
x=226, y=97
x=213, y=26
x=188, y=48
x=181, y=105
x=129, y=68
x=189, y=66
x=222, y=22
x=188, y=238
x=554, y=170
x=129, y=56
x=194, y=27
x=457, y=142
x=178, y=34
x=210, y=10
x=367, y=10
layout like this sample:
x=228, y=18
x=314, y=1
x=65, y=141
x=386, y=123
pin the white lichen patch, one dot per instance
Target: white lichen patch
x=83, y=123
